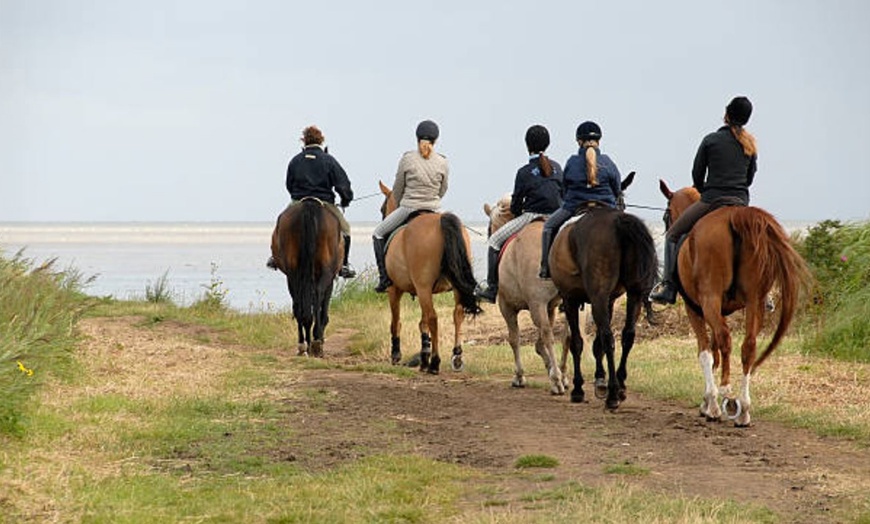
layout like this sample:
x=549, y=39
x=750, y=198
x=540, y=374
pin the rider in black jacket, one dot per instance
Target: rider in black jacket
x=314, y=173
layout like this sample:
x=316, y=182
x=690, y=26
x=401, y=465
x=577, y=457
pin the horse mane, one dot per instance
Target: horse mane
x=501, y=213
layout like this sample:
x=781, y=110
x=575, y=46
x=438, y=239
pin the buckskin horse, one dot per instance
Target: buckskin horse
x=521, y=289
x=729, y=261
x=429, y=255
x=308, y=247
x=604, y=254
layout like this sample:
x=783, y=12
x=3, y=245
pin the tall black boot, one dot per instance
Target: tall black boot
x=546, y=243
x=347, y=271
x=667, y=290
x=380, y=245
x=489, y=291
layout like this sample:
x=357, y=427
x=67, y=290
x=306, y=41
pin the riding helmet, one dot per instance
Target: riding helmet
x=427, y=130
x=739, y=110
x=588, y=131
x=537, y=139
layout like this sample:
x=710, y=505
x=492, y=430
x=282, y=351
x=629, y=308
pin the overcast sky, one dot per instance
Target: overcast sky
x=115, y=110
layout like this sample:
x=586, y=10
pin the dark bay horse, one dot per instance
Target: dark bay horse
x=431, y=255
x=521, y=289
x=729, y=261
x=308, y=247
x=604, y=254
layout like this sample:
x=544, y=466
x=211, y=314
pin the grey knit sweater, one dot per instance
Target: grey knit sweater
x=420, y=183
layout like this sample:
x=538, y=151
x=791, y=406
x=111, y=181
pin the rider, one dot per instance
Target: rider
x=537, y=193
x=728, y=158
x=421, y=181
x=314, y=173
x=591, y=178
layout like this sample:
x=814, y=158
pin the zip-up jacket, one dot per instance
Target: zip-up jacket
x=535, y=193
x=722, y=169
x=316, y=173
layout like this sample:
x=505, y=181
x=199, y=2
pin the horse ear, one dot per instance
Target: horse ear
x=384, y=189
x=487, y=209
x=627, y=181
x=663, y=187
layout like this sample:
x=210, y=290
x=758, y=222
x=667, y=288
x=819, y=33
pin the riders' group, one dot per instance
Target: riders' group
x=723, y=170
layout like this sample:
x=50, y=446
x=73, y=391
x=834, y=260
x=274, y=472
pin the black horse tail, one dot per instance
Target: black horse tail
x=455, y=265
x=303, y=293
x=640, y=260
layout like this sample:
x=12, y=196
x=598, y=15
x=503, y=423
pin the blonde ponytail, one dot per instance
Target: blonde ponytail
x=425, y=148
x=747, y=141
x=591, y=162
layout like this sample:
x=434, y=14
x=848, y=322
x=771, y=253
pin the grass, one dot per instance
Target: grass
x=207, y=439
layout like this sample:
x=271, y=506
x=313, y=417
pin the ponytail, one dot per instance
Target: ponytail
x=425, y=148
x=545, y=165
x=747, y=141
x=591, y=162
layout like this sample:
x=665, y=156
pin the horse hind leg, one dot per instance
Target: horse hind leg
x=429, y=335
x=741, y=406
x=709, y=407
x=575, y=343
x=632, y=310
x=510, y=318
x=544, y=347
x=395, y=326
x=458, y=318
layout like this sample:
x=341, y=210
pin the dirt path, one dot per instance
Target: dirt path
x=484, y=423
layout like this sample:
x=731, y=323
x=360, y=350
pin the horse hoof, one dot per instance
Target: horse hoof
x=317, y=349
x=396, y=358
x=622, y=395
x=732, y=408
x=456, y=363
x=600, y=388
x=612, y=404
x=518, y=382
x=578, y=397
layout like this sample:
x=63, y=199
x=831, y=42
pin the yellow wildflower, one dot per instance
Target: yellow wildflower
x=25, y=370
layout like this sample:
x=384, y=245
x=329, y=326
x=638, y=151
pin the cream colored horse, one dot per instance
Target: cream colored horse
x=520, y=289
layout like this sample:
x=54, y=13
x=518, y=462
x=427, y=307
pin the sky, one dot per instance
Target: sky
x=115, y=110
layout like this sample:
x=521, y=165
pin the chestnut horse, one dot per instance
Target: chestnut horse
x=604, y=254
x=430, y=255
x=729, y=261
x=521, y=289
x=308, y=248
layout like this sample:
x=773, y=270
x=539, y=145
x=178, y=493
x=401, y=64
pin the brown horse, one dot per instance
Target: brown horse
x=521, y=289
x=431, y=255
x=730, y=260
x=604, y=254
x=308, y=247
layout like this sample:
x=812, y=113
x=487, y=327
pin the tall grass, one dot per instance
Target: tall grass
x=839, y=256
x=39, y=306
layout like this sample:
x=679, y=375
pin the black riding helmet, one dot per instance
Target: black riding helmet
x=427, y=130
x=537, y=139
x=588, y=131
x=739, y=110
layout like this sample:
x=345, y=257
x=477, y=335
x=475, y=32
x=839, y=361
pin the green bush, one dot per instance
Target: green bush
x=839, y=256
x=39, y=307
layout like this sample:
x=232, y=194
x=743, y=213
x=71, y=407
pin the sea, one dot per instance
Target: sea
x=123, y=259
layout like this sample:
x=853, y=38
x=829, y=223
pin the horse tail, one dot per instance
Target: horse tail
x=455, y=265
x=636, y=240
x=778, y=264
x=301, y=280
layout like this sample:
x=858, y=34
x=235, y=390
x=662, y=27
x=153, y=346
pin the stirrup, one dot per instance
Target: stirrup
x=486, y=292
x=383, y=285
x=347, y=272
x=666, y=294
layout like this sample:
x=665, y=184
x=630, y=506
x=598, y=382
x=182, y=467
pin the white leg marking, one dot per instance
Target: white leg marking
x=709, y=407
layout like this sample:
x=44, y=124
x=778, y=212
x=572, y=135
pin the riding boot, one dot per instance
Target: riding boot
x=271, y=263
x=489, y=290
x=347, y=271
x=546, y=243
x=667, y=290
x=380, y=245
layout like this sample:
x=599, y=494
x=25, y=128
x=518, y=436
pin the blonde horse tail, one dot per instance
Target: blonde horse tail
x=455, y=264
x=779, y=264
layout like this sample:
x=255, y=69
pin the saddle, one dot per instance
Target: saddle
x=407, y=221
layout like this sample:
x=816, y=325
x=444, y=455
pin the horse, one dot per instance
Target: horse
x=604, y=254
x=429, y=255
x=521, y=289
x=308, y=247
x=730, y=260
